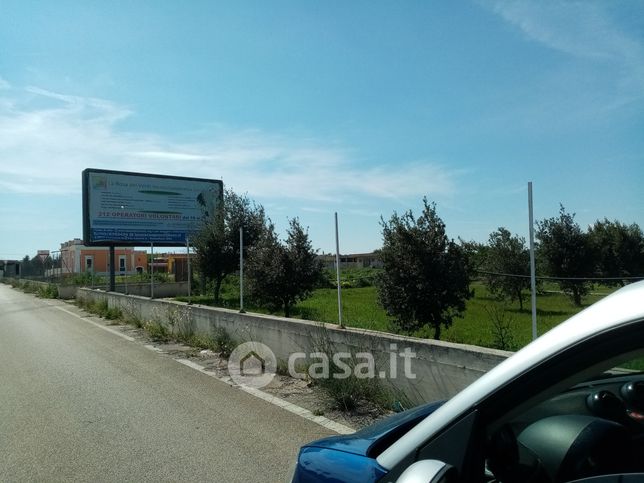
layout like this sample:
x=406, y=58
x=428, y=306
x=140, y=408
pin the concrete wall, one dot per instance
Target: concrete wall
x=161, y=290
x=441, y=368
x=65, y=292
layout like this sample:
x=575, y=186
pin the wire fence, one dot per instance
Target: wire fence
x=555, y=279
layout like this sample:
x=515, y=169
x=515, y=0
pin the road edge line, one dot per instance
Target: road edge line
x=96, y=324
x=270, y=398
x=274, y=400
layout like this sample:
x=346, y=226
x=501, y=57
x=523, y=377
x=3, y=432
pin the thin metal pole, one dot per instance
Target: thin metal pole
x=533, y=275
x=337, y=271
x=241, y=269
x=151, y=270
x=112, y=279
x=189, y=271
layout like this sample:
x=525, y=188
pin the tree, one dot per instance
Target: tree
x=565, y=252
x=26, y=267
x=476, y=254
x=281, y=274
x=34, y=267
x=507, y=254
x=217, y=243
x=618, y=250
x=425, y=280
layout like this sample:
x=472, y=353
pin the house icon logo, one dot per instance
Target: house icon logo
x=252, y=364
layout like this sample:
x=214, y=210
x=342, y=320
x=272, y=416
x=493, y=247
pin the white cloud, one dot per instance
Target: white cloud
x=169, y=156
x=578, y=28
x=48, y=138
x=585, y=30
x=4, y=84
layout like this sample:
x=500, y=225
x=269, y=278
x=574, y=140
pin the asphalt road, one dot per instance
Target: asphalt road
x=78, y=403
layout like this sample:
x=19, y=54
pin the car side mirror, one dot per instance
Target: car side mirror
x=428, y=471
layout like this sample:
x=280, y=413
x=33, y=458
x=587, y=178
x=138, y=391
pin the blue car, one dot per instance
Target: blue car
x=356, y=453
x=568, y=407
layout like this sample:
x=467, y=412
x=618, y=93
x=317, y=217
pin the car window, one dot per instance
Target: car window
x=591, y=428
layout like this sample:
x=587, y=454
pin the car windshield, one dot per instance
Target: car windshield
x=231, y=230
x=588, y=429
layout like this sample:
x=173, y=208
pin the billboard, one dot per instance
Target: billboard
x=122, y=208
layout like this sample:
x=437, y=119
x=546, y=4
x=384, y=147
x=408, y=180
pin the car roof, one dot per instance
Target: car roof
x=621, y=307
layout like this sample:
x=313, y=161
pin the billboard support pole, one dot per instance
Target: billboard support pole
x=151, y=270
x=112, y=286
x=189, y=271
x=125, y=272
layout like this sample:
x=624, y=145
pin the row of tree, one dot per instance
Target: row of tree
x=426, y=276
x=36, y=266
x=608, y=252
x=279, y=272
x=425, y=281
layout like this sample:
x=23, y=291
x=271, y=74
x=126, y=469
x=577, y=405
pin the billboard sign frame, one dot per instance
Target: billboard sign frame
x=123, y=208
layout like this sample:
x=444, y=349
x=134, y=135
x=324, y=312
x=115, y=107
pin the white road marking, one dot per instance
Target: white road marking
x=100, y=326
x=153, y=349
x=290, y=407
x=300, y=411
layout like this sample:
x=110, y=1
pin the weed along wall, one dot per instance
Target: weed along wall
x=440, y=369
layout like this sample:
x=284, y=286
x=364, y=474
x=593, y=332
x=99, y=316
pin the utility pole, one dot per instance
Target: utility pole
x=337, y=271
x=533, y=275
x=241, y=270
x=189, y=271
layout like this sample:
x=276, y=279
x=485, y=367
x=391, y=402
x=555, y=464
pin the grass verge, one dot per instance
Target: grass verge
x=220, y=341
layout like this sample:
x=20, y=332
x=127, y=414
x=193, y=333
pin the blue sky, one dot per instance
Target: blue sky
x=359, y=107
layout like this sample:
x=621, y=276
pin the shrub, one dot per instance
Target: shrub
x=48, y=292
x=29, y=287
x=129, y=316
x=157, y=332
x=223, y=342
x=348, y=393
x=502, y=327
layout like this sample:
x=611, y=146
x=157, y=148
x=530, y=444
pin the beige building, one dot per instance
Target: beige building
x=353, y=260
x=78, y=258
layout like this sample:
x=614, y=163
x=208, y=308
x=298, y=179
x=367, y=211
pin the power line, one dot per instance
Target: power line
x=514, y=275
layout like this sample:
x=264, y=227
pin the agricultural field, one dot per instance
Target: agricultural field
x=479, y=326
x=487, y=321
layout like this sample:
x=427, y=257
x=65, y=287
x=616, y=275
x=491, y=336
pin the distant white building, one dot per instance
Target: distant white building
x=353, y=260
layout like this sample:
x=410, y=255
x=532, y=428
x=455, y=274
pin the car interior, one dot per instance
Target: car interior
x=593, y=431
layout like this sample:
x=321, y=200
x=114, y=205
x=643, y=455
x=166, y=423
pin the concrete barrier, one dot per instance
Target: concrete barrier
x=161, y=290
x=441, y=369
x=65, y=292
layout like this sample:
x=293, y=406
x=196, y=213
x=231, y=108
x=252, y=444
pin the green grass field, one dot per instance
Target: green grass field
x=361, y=309
x=477, y=328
